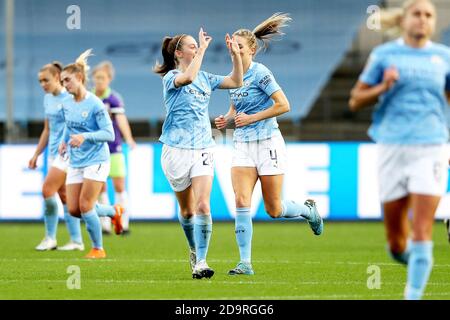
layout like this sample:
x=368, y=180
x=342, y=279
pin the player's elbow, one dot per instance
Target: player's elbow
x=187, y=80
x=354, y=103
x=286, y=107
x=239, y=82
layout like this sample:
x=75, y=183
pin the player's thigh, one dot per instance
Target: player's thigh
x=396, y=223
x=243, y=180
x=89, y=194
x=272, y=187
x=53, y=182
x=186, y=200
x=424, y=209
x=202, y=186
x=62, y=194
x=119, y=184
x=73, y=198
x=94, y=177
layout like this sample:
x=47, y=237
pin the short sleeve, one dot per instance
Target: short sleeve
x=214, y=80
x=266, y=81
x=169, y=80
x=373, y=71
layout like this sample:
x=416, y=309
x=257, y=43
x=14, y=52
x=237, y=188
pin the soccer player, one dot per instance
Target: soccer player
x=88, y=128
x=187, y=157
x=103, y=74
x=50, y=81
x=259, y=148
x=410, y=79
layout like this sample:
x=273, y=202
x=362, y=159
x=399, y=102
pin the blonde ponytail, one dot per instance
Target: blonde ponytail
x=80, y=66
x=265, y=31
x=271, y=27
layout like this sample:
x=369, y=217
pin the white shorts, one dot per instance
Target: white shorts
x=267, y=156
x=59, y=162
x=405, y=169
x=97, y=172
x=181, y=165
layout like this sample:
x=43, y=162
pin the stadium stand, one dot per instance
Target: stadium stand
x=303, y=61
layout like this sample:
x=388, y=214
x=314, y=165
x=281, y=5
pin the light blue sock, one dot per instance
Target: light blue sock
x=188, y=227
x=419, y=268
x=105, y=210
x=73, y=226
x=202, y=235
x=94, y=228
x=292, y=209
x=51, y=216
x=244, y=232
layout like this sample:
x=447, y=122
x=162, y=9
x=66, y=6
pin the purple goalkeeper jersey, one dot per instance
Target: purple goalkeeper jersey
x=114, y=104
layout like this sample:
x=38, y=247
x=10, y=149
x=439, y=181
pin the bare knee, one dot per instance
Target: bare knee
x=119, y=188
x=62, y=195
x=186, y=213
x=243, y=201
x=274, y=211
x=74, y=211
x=203, y=207
x=85, y=205
x=47, y=191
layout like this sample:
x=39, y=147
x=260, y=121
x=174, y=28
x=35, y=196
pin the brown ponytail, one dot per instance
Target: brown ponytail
x=54, y=68
x=169, y=45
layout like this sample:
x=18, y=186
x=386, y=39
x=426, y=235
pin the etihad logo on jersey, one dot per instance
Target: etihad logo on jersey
x=200, y=95
x=76, y=124
x=238, y=95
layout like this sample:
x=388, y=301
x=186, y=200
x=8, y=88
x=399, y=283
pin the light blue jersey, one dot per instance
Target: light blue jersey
x=90, y=118
x=187, y=123
x=54, y=115
x=253, y=97
x=413, y=111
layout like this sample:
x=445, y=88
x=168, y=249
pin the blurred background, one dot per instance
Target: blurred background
x=316, y=63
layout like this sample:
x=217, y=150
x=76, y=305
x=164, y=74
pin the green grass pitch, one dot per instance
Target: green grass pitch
x=152, y=263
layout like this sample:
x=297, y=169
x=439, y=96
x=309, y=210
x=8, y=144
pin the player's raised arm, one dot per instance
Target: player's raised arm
x=176, y=49
x=235, y=79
